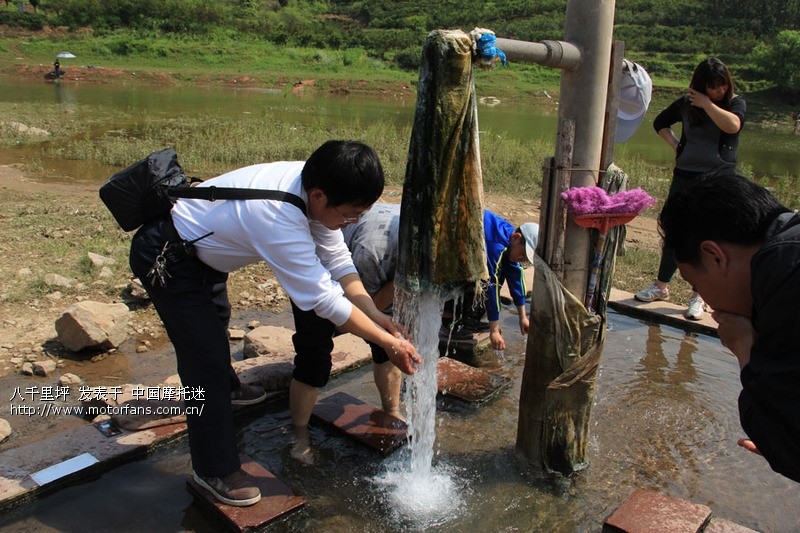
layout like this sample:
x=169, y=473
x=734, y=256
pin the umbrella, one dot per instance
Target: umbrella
x=65, y=55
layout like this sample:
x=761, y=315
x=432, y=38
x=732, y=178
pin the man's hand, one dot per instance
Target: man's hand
x=524, y=323
x=749, y=445
x=736, y=333
x=403, y=355
x=498, y=343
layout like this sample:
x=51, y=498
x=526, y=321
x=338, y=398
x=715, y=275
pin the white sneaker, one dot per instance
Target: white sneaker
x=697, y=308
x=652, y=293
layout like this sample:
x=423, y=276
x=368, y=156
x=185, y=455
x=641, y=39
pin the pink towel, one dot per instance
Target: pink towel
x=592, y=200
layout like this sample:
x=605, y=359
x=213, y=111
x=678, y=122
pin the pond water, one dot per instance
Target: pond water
x=767, y=151
x=664, y=419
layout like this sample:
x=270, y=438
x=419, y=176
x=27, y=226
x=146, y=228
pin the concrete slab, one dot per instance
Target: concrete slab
x=361, y=421
x=17, y=464
x=662, y=312
x=651, y=512
x=467, y=383
x=277, y=500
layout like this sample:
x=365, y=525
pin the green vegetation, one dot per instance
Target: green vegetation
x=358, y=36
x=376, y=43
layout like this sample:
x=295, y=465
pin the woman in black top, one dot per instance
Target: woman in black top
x=711, y=115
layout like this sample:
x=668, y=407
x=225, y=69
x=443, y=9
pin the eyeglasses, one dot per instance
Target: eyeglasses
x=350, y=220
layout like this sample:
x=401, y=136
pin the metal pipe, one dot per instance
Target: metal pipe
x=558, y=54
x=582, y=98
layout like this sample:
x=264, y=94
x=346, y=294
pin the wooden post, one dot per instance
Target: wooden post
x=555, y=181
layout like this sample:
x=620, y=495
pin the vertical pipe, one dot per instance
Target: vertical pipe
x=589, y=24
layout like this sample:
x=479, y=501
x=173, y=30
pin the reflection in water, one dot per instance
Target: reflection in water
x=656, y=368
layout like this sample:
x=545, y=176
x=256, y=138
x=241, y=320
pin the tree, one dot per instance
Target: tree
x=778, y=61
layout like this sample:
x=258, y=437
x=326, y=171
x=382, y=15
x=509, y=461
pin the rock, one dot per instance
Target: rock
x=26, y=369
x=100, y=260
x=235, y=334
x=142, y=348
x=24, y=272
x=57, y=280
x=5, y=429
x=268, y=340
x=253, y=324
x=105, y=272
x=69, y=379
x=91, y=324
x=44, y=368
x=24, y=129
x=137, y=290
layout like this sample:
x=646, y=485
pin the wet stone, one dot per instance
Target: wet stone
x=277, y=500
x=361, y=421
x=650, y=512
x=720, y=525
x=467, y=383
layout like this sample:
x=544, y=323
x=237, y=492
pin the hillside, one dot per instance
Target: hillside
x=668, y=38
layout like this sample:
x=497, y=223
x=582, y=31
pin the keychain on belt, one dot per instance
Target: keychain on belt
x=159, y=275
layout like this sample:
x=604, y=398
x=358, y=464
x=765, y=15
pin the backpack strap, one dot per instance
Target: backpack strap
x=231, y=193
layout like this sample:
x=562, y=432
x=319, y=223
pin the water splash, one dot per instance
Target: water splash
x=417, y=490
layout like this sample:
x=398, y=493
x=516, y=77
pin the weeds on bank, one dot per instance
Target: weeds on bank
x=45, y=233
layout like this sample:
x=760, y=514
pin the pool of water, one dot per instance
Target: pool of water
x=766, y=151
x=664, y=419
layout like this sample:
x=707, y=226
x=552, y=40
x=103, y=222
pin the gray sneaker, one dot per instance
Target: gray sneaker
x=248, y=395
x=652, y=293
x=237, y=489
x=697, y=308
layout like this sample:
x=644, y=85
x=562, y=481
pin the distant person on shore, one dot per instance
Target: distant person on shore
x=183, y=261
x=712, y=116
x=374, y=245
x=739, y=248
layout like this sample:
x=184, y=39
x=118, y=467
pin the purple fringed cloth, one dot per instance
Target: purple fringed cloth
x=594, y=200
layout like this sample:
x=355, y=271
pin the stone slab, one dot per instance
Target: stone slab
x=17, y=464
x=277, y=500
x=667, y=313
x=467, y=348
x=651, y=512
x=465, y=382
x=362, y=422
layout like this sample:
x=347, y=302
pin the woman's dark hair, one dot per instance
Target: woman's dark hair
x=348, y=172
x=723, y=207
x=710, y=72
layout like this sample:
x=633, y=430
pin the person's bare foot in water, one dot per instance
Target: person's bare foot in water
x=392, y=419
x=749, y=445
x=301, y=448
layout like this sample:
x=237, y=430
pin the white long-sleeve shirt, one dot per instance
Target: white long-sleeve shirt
x=306, y=257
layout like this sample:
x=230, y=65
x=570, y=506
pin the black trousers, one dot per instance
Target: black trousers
x=668, y=265
x=313, y=345
x=195, y=310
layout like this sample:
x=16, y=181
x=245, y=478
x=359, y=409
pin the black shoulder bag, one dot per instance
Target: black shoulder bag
x=147, y=190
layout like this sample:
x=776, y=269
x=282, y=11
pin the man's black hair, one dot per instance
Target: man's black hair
x=348, y=172
x=724, y=207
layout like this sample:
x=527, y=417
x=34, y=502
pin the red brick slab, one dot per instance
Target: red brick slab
x=362, y=421
x=277, y=500
x=466, y=382
x=651, y=512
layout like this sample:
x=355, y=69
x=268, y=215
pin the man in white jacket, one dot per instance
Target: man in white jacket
x=183, y=261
